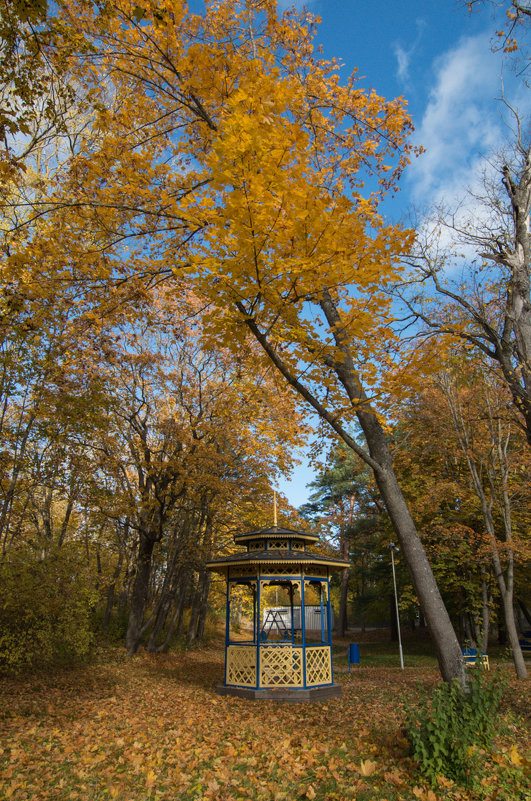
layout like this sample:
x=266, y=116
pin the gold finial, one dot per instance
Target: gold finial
x=274, y=508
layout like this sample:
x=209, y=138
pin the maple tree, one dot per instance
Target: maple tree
x=490, y=470
x=227, y=152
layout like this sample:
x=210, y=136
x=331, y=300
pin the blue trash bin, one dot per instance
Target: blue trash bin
x=353, y=654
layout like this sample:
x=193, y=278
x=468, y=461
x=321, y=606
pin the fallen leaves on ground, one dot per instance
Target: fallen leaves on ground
x=154, y=728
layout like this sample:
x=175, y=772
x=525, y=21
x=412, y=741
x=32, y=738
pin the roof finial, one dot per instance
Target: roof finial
x=274, y=508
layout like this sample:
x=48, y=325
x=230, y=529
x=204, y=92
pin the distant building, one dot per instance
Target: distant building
x=273, y=616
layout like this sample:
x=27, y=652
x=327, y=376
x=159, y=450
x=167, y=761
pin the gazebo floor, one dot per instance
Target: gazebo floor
x=290, y=695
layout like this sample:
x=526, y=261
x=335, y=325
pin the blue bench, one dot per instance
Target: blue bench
x=472, y=657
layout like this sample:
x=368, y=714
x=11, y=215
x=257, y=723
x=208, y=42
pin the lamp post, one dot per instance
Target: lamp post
x=393, y=548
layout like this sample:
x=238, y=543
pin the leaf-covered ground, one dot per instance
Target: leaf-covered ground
x=154, y=728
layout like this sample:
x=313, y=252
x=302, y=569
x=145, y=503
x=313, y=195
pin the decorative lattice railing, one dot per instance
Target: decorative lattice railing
x=280, y=666
x=241, y=665
x=318, y=665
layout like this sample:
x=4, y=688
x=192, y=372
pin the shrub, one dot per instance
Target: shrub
x=449, y=730
x=45, y=609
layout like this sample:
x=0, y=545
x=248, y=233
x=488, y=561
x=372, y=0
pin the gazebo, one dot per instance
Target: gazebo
x=281, y=655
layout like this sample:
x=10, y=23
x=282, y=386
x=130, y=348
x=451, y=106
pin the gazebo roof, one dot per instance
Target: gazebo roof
x=275, y=532
x=278, y=557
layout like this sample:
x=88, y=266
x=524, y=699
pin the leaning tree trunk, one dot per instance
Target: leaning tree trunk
x=439, y=624
x=442, y=632
x=379, y=459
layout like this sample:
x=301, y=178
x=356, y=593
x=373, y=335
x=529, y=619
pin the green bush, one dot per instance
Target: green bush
x=45, y=609
x=449, y=730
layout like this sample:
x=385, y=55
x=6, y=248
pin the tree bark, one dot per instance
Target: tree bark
x=139, y=594
x=485, y=615
x=524, y=610
x=200, y=595
x=111, y=589
x=204, y=609
x=342, y=618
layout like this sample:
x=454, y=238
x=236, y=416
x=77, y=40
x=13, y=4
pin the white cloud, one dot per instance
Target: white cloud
x=403, y=58
x=405, y=55
x=463, y=122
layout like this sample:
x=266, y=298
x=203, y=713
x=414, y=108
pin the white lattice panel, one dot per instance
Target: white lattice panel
x=241, y=665
x=318, y=665
x=281, y=666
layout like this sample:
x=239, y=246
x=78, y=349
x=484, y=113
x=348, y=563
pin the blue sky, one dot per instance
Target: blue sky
x=439, y=58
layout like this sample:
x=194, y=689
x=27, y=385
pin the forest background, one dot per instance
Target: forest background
x=193, y=226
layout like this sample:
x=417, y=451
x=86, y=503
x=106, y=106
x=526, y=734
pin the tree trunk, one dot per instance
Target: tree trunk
x=167, y=596
x=524, y=610
x=175, y=623
x=204, y=609
x=439, y=624
x=139, y=595
x=512, y=635
x=485, y=614
x=470, y=637
x=111, y=589
x=342, y=620
x=196, y=608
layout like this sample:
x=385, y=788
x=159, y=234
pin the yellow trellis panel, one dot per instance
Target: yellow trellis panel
x=280, y=666
x=241, y=665
x=318, y=665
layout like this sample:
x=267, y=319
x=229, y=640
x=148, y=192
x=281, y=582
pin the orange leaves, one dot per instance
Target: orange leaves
x=161, y=737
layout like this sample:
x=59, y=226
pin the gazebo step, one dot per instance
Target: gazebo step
x=289, y=695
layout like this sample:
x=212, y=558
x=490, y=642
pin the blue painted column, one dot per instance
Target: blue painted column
x=258, y=632
x=328, y=613
x=227, y=625
x=303, y=632
x=255, y=626
x=322, y=611
x=291, y=593
x=329, y=624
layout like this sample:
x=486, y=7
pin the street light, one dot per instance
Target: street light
x=393, y=548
